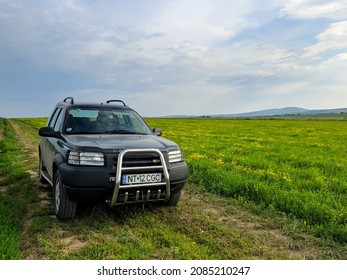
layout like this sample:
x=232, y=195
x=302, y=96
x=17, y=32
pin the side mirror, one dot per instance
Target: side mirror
x=49, y=132
x=157, y=131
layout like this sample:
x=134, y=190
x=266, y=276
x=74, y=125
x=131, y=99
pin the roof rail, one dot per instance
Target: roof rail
x=71, y=100
x=120, y=101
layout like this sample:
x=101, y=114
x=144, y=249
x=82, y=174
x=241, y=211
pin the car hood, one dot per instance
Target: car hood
x=119, y=142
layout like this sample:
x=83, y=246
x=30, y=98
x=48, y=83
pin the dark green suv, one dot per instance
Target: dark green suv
x=107, y=153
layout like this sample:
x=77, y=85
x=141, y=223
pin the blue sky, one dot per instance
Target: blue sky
x=165, y=57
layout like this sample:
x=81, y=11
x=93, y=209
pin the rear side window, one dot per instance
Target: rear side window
x=58, y=120
x=53, y=118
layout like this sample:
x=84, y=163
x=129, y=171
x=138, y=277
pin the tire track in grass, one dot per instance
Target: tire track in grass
x=15, y=195
x=29, y=149
x=28, y=138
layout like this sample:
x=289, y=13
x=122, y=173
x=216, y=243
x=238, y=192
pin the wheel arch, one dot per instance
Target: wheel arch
x=57, y=160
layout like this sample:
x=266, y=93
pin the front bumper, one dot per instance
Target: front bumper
x=98, y=184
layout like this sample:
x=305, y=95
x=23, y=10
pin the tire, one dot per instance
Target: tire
x=41, y=167
x=174, y=198
x=64, y=208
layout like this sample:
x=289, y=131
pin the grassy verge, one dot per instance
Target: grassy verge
x=16, y=192
x=34, y=122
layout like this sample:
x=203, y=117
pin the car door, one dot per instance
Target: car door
x=50, y=142
x=44, y=143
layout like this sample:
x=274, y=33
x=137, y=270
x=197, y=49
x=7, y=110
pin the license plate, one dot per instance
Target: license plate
x=129, y=179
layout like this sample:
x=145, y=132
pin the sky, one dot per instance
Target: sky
x=173, y=57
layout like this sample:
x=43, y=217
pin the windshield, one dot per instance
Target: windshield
x=87, y=120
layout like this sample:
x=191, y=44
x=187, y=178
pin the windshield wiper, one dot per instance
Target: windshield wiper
x=83, y=132
x=123, y=131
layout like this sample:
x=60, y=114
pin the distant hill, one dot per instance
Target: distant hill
x=269, y=112
x=287, y=111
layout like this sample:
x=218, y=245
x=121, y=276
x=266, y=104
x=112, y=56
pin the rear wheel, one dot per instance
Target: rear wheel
x=64, y=208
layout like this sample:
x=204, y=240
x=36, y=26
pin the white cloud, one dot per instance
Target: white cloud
x=339, y=58
x=333, y=38
x=312, y=9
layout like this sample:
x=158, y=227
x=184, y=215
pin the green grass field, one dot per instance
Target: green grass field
x=296, y=168
x=258, y=189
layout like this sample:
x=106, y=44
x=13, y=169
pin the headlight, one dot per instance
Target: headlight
x=85, y=158
x=175, y=156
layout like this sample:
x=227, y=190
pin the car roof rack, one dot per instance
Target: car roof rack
x=120, y=101
x=71, y=100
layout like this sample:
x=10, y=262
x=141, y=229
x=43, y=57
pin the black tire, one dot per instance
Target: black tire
x=41, y=167
x=174, y=198
x=64, y=208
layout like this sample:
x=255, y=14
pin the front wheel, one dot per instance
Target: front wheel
x=64, y=208
x=174, y=198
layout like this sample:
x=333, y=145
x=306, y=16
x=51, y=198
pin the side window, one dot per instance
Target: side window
x=59, y=120
x=53, y=118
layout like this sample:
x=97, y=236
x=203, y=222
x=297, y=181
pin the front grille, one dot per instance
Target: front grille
x=140, y=164
x=139, y=159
